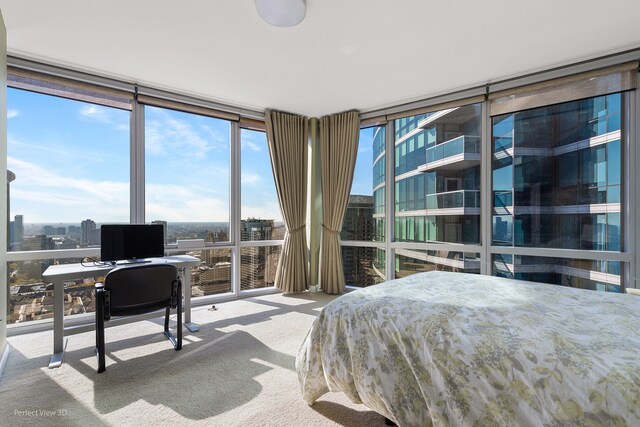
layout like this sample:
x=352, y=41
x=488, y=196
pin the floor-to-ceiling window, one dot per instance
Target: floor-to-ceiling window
x=68, y=157
x=363, y=228
x=534, y=182
x=437, y=190
x=84, y=154
x=558, y=183
x=261, y=225
x=187, y=190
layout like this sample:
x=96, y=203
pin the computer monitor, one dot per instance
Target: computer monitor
x=131, y=242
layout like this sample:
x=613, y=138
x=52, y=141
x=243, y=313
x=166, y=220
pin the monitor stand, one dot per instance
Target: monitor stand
x=132, y=261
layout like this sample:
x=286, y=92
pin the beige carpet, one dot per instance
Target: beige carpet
x=238, y=370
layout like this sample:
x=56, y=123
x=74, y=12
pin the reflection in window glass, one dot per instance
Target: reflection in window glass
x=558, y=183
x=187, y=174
x=575, y=273
x=437, y=176
x=409, y=261
x=260, y=212
x=364, y=215
x=71, y=165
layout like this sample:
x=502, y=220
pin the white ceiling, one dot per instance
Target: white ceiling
x=346, y=54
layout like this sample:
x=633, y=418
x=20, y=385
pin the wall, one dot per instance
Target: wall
x=3, y=191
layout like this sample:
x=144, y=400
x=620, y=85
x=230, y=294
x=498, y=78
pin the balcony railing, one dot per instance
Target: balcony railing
x=502, y=199
x=464, y=144
x=454, y=199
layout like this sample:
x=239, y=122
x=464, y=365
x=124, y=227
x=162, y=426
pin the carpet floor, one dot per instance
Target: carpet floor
x=238, y=370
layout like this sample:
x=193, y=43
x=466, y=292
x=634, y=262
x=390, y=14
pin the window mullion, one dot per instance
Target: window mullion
x=137, y=213
x=389, y=200
x=234, y=206
x=485, y=191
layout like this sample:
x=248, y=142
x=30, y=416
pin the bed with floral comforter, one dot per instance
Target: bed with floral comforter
x=459, y=349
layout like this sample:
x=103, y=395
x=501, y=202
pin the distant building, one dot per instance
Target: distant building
x=359, y=225
x=212, y=236
x=258, y=264
x=16, y=233
x=88, y=232
x=256, y=229
x=213, y=279
x=39, y=242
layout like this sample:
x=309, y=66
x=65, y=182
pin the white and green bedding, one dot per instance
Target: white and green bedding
x=461, y=350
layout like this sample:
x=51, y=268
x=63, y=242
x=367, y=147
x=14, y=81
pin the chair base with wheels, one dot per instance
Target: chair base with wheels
x=135, y=290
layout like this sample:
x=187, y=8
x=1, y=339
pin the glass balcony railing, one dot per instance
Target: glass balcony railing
x=454, y=199
x=461, y=145
x=502, y=199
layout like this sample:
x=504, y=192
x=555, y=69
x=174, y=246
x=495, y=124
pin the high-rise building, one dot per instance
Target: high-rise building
x=258, y=263
x=437, y=187
x=359, y=224
x=557, y=183
x=18, y=228
x=256, y=229
x=16, y=233
x=88, y=232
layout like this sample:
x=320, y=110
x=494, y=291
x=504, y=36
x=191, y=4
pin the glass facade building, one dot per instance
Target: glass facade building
x=535, y=193
x=437, y=188
x=557, y=183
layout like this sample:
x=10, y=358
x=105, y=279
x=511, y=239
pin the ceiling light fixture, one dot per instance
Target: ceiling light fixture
x=281, y=13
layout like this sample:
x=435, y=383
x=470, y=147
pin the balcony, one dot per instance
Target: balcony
x=461, y=202
x=455, y=154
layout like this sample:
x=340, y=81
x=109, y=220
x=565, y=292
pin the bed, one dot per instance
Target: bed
x=460, y=349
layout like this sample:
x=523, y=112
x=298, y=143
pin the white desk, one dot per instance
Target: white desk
x=58, y=274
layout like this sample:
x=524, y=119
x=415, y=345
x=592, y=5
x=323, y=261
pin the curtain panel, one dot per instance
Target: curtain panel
x=339, y=147
x=287, y=136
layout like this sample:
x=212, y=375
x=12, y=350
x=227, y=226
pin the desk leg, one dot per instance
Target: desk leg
x=59, y=341
x=192, y=327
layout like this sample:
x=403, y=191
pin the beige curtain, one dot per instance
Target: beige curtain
x=339, y=148
x=287, y=138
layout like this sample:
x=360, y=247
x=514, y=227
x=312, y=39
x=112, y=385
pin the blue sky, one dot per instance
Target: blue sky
x=363, y=174
x=71, y=161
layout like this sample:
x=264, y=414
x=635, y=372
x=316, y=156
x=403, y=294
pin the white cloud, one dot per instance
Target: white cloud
x=104, y=115
x=95, y=112
x=250, y=178
x=170, y=136
x=48, y=196
x=12, y=113
x=182, y=204
x=250, y=145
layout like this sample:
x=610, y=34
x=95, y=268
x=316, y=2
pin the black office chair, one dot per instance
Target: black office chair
x=135, y=290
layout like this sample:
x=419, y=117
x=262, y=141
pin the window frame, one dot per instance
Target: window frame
x=630, y=174
x=238, y=118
